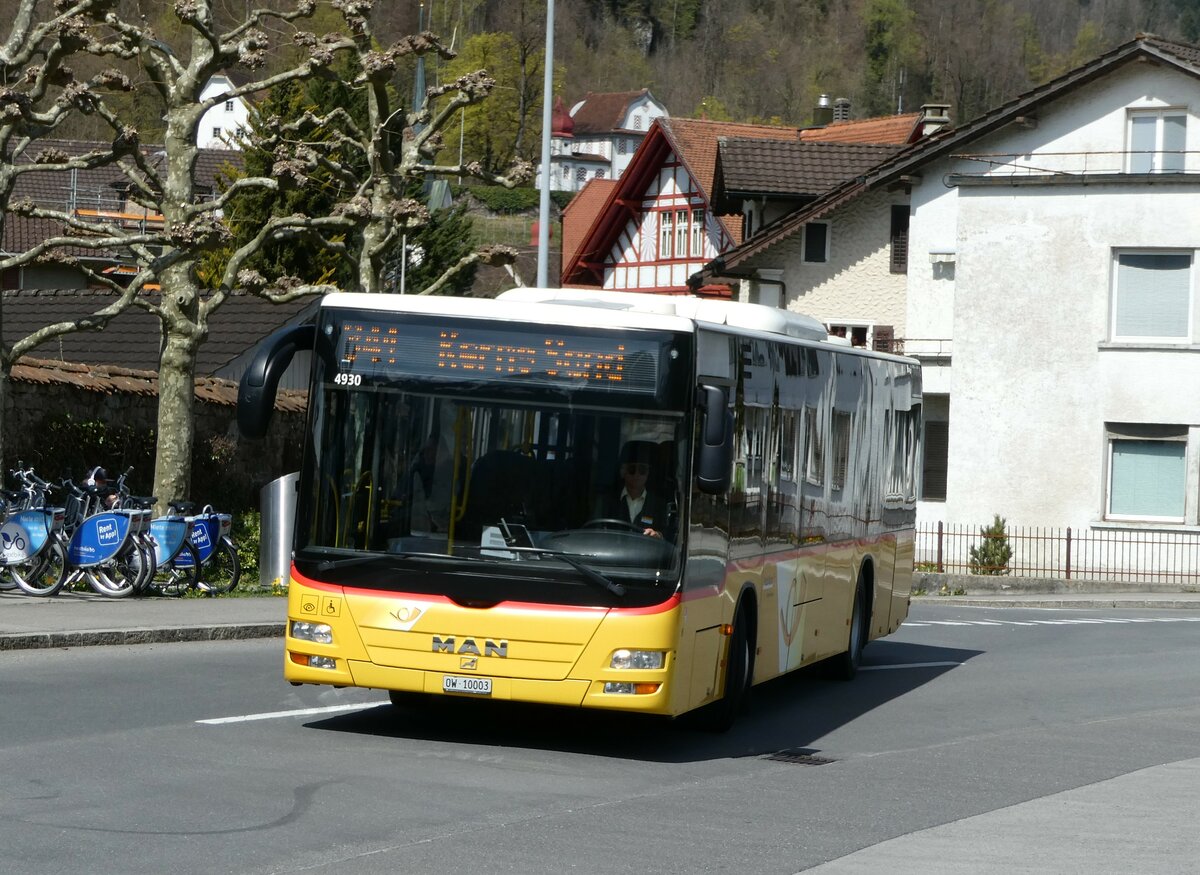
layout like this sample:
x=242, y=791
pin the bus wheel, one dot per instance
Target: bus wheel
x=845, y=666
x=739, y=670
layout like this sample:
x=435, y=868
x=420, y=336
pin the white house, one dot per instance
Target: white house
x=1049, y=285
x=223, y=121
x=597, y=138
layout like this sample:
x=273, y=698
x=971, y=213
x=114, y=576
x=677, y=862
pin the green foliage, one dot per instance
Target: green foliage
x=508, y=124
x=247, y=536
x=66, y=445
x=297, y=256
x=446, y=238
x=499, y=199
x=993, y=555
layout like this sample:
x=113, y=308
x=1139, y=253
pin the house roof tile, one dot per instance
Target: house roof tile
x=579, y=214
x=603, y=112
x=793, y=168
x=113, y=380
x=895, y=129
x=131, y=339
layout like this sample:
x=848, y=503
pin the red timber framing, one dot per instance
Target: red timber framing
x=656, y=228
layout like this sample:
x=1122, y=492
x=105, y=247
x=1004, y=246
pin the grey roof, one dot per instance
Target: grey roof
x=791, y=167
x=131, y=340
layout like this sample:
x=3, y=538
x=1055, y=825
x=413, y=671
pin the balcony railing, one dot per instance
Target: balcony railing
x=1067, y=164
x=1116, y=555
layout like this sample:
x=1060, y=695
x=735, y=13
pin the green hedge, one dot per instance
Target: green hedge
x=499, y=199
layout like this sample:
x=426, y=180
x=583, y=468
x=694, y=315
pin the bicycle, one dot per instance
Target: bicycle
x=107, y=548
x=177, y=562
x=32, y=548
x=219, y=568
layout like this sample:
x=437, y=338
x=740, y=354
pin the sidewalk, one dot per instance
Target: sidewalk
x=84, y=619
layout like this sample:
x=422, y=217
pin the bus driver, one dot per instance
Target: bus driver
x=646, y=511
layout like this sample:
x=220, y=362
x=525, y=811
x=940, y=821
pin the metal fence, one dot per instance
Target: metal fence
x=1120, y=555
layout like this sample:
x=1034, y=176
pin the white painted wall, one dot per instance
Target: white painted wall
x=1027, y=308
x=219, y=124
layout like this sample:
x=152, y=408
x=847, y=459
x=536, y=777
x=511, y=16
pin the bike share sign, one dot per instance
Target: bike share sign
x=98, y=538
x=22, y=535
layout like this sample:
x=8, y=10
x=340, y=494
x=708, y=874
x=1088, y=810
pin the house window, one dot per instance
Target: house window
x=1157, y=139
x=816, y=242
x=858, y=335
x=697, y=233
x=229, y=106
x=1147, y=472
x=622, y=146
x=1152, y=296
x=637, y=122
x=599, y=174
x=681, y=233
x=899, y=260
x=216, y=133
x=935, y=455
x=666, y=234
x=580, y=173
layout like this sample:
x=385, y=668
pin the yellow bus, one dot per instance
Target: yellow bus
x=602, y=500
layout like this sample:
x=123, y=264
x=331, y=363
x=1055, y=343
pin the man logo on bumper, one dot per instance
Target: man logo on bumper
x=469, y=647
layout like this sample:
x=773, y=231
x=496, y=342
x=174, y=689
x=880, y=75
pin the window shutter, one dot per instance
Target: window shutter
x=883, y=338
x=936, y=453
x=899, y=239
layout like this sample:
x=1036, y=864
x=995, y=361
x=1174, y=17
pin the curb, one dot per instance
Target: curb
x=102, y=637
x=1165, y=602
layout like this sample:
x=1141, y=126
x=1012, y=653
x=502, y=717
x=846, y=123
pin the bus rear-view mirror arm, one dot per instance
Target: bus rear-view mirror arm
x=714, y=463
x=260, y=382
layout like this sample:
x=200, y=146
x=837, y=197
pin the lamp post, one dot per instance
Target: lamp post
x=544, y=203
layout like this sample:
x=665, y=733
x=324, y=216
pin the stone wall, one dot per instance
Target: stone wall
x=63, y=419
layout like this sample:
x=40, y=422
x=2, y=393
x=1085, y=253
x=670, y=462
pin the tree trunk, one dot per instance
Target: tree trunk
x=176, y=426
x=5, y=379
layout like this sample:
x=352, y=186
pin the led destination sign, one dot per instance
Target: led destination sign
x=488, y=353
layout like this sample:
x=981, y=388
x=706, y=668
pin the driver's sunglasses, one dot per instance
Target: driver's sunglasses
x=637, y=468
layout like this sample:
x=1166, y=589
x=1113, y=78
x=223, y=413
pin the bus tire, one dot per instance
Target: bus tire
x=844, y=667
x=739, y=670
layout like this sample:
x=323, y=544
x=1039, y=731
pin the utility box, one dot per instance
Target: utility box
x=278, y=504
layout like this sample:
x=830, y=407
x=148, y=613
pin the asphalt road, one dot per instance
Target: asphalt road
x=977, y=740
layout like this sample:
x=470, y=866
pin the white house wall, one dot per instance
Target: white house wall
x=1034, y=378
x=856, y=284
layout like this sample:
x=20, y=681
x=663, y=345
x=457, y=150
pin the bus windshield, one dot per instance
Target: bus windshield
x=547, y=482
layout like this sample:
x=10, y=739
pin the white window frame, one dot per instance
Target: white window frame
x=697, y=241
x=229, y=106
x=666, y=233
x=1167, y=434
x=1159, y=160
x=809, y=257
x=1184, y=338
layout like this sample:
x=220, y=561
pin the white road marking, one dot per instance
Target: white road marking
x=1065, y=621
x=909, y=665
x=299, y=712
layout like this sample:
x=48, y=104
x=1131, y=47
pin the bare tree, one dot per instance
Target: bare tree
x=40, y=93
x=375, y=163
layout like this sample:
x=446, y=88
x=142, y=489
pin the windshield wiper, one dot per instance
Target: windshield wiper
x=591, y=575
x=513, y=532
x=363, y=558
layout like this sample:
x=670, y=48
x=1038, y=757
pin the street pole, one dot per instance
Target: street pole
x=544, y=207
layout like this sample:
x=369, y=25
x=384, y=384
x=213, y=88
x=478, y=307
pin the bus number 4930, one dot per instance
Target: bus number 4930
x=347, y=379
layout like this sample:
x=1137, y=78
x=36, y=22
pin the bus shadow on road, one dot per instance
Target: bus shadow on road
x=786, y=714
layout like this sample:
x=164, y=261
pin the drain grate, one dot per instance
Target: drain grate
x=799, y=756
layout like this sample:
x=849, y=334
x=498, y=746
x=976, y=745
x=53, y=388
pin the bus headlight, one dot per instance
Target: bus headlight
x=638, y=659
x=318, y=633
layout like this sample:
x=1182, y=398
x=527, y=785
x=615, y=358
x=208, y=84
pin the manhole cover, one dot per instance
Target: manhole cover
x=799, y=756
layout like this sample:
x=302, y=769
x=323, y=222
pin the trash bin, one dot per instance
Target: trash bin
x=278, y=504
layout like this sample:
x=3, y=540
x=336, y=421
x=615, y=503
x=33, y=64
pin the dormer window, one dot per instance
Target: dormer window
x=1157, y=140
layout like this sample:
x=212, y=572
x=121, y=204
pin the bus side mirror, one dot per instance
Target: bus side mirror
x=714, y=461
x=260, y=382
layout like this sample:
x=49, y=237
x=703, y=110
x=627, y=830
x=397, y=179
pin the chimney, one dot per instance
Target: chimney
x=823, y=111
x=934, y=117
x=841, y=109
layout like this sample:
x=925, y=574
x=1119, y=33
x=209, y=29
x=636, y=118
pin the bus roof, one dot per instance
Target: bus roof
x=585, y=307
